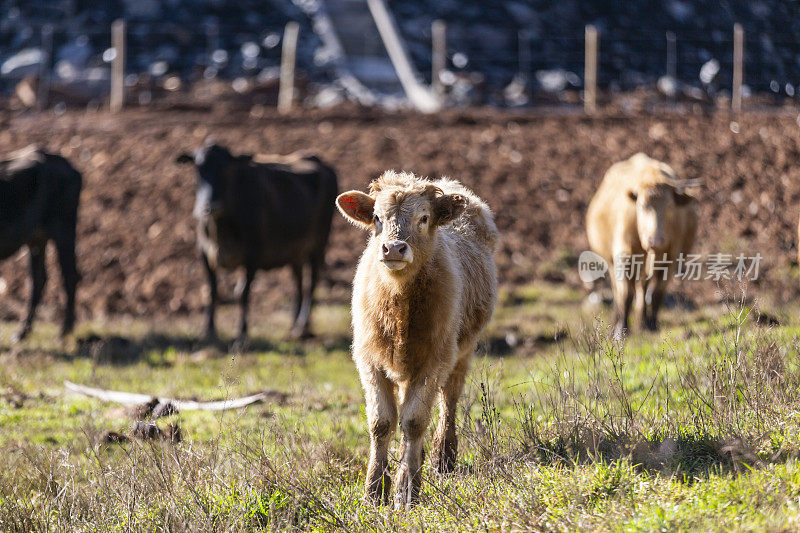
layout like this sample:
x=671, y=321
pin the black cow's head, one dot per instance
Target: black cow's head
x=211, y=162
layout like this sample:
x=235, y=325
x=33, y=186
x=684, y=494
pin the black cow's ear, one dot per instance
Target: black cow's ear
x=448, y=207
x=184, y=158
x=632, y=195
x=356, y=207
x=683, y=198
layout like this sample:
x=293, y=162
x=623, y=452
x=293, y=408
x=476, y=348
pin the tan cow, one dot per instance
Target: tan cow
x=425, y=287
x=640, y=211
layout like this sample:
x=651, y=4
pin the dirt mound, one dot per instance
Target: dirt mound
x=136, y=234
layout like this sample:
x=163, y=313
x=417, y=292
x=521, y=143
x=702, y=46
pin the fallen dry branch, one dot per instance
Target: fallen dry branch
x=132, y=398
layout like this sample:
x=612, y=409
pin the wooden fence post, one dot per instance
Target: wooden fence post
x=738, y=68
x=672, y=55
x=438, y=54
x=212, y=42
x=117, y=99
x=43, y=92
x=288, y=55
x=524, y=55
x=590, y=71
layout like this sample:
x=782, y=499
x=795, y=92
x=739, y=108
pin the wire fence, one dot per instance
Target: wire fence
x=81, y=56
x=771, y=61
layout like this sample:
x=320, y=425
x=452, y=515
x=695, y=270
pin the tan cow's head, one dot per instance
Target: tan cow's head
x=656, y=205
x=403, y=213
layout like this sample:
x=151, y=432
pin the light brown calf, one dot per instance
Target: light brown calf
x=640, y=209
x=425, y=287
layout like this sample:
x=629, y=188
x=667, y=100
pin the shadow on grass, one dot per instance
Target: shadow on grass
x=509, y=342
x=687, y=458
x=155, y=348
x=158, y=349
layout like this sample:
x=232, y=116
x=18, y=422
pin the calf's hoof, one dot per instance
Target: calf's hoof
x=371, y=500
x=405, y=496
x=444, y=458
x=380, y=494
x=402, y=502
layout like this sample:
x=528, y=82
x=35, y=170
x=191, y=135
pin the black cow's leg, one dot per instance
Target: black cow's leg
x=36, y=253
x=297, y=274
x=302, y=327
x=211, y=330
x=244, y=302
x=65, y=246
x=304, y=300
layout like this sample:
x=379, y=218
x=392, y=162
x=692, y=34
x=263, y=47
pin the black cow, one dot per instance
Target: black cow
x=261, y=213
x=39, y=195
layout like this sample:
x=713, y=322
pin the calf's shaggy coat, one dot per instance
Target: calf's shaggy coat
x=425, y=287
x=640, y=209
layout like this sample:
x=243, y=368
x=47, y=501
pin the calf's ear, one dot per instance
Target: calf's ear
x=184, y=158
x=683, y=198
x=356, y=207
x=448, y=207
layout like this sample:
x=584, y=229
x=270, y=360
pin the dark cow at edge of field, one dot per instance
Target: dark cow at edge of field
x=39, y=196
x=262, y=212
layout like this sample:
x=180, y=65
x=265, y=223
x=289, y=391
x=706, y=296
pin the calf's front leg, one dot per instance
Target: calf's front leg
x=445, y=441
x=415, y=414
x=382, y=419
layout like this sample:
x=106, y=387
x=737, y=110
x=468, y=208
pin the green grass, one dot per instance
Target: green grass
x=692, y=428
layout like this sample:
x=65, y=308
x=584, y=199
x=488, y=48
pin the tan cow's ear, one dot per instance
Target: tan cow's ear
x=448, y=207
x=683, y=198
x=356, y=207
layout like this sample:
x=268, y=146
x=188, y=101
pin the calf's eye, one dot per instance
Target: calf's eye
x=424, y=219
